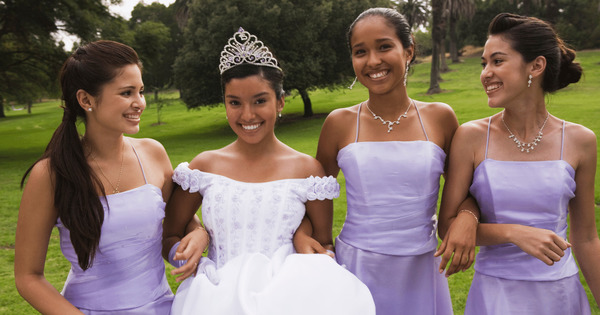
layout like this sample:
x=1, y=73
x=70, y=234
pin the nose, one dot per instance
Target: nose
x=247, y=112
x=485, y=74
x=139, y=102
x=373, y=59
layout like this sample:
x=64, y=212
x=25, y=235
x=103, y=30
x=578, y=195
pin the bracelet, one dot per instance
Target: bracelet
x=470, y=212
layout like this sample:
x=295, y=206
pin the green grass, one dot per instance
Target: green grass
x=185, y=133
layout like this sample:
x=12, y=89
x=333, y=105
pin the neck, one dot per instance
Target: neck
x=103, y=147
x=389, y=105
x=257, y=151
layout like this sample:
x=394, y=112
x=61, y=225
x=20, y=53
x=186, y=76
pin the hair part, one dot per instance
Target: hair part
x=89, y=68
x=532, y=37
x=272, y=75
x=393, y=19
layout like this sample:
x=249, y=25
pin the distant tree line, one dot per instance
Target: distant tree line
x=179, y=45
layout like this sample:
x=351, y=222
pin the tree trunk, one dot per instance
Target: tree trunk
x=436, y=9
x=444, y=66
x=308, y=112
x=29, y=105
x=2, y=115
x=156, y=95
x=453, y=40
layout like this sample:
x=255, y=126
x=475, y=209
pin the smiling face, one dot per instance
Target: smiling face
x=378, y=57
x=505, y=73
x=252, y=108
x=118, y=107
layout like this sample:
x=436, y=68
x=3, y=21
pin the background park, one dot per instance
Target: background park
x=179, y=46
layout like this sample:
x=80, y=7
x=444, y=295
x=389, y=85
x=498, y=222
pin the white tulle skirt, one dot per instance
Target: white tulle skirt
x=287, y=283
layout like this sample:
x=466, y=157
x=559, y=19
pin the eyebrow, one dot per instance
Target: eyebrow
x=385, y=39
x=253, y=96
x=494, y=54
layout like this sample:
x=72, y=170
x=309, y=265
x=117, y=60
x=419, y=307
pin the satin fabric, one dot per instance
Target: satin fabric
x=128, y=273
x=508, y=280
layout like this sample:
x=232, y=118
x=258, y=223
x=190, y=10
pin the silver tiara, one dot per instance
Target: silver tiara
x=244, y=47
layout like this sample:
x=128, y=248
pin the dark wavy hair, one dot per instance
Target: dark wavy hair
x=89, y=68
x=394, y=19
x=273, y=75
x=532, y=37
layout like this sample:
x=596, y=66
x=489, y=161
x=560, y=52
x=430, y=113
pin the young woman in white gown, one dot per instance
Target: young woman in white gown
x=254, y=193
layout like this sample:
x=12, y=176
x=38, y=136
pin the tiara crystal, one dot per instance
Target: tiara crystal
x=243, y=48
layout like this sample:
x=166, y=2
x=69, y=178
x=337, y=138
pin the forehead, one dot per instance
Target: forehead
x=373, y=27
x=497, y=44
x=128, y=75
x=249, y=85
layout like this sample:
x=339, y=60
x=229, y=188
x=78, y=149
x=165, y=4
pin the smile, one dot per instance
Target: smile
x=132, y=116
x=493, y=87
x=378, y=74
x=251, y=127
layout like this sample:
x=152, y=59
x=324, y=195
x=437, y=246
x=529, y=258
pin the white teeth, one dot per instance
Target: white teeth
x=132, y=116
x=492, y=87
x=250, y=127
x=378, y=75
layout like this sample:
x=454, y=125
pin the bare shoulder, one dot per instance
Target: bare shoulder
x=41, y=171
x=301, y=164
x=341, y=116
x=206, y=160
x=148, y=146
x=473, y=132
x=438, y=110
x=582, y=137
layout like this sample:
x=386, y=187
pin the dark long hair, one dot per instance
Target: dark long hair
x=532, y=37
x=273, y=75
x=89, y=68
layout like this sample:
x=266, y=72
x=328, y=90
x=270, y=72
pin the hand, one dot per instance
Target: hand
x=460, y=240
x=305, y=244
x=542, y=244
x=190, y=248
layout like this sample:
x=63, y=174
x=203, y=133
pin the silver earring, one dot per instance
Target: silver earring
x=354, y=82
x=529, y=82
x=89, y=109
x=406, y=72
x=279, y=114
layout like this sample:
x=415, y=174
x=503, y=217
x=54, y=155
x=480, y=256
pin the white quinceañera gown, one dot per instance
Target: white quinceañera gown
x=252, y=267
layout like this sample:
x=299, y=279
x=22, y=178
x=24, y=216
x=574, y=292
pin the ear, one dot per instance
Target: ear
x=409, y=52
x=537, y=66
x=85, y=100
x=280, y=104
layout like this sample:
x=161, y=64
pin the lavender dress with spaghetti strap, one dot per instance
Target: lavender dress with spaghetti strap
x=128, y=272
x=507, y=280
x=389, y=235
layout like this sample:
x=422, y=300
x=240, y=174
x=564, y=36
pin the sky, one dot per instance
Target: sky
x=124, y=9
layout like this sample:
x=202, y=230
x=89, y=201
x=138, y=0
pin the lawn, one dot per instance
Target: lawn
x=185, y=133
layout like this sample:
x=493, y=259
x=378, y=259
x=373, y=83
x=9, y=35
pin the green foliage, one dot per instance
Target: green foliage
x=311, y=54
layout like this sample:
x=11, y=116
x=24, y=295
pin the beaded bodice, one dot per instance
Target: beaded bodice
x=243, y=217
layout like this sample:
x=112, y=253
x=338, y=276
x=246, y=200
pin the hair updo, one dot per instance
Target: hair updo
x=532, y=37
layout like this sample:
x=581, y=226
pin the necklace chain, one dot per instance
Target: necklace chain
x=390, y=123
x=526, y=146
x=115, y=188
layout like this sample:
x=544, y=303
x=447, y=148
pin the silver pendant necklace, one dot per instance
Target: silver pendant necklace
x=390, y=123
x=526, y=146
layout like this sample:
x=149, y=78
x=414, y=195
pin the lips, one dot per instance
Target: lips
x=133, y=116
x=489, y=88
x=251, y=127
x=378, y=75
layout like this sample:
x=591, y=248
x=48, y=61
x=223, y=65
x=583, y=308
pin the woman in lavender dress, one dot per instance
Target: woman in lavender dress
x=254, y=194
x=392, y=151
x=104, y=192
x=528, y=171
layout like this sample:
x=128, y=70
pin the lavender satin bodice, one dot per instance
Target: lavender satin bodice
x=392, y=190
x=128, y=270
x=243, y=217
x=532, y=193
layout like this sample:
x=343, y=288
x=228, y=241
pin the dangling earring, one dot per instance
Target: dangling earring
x=279, y=114
x=406, y=72
x=529, y=82
x=354, y=82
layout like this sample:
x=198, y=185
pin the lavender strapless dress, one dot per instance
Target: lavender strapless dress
x=389, y=235
x=128, y=271
x=507, y=280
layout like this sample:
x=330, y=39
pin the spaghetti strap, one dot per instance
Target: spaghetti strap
x=139, y=161
x=487, y=140
x=562, y=141
x=420, y=120
x=357, y=121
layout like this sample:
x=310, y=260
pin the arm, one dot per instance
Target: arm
x=583, y=230
x=37, y=217
x=457, y=228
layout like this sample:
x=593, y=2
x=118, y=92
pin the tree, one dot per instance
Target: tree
x=416, y=12
x=457, y=9
x=436, y=37
x=312, y=55
x=27, y=44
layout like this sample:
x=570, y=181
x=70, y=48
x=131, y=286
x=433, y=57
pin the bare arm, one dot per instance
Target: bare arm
x=37, y=217
x=583, y=230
